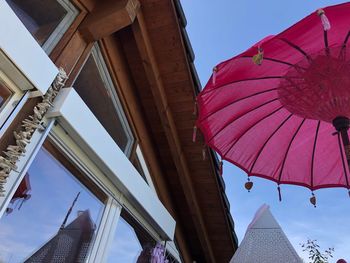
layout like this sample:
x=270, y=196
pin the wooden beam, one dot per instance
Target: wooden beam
x=160, y=98
x=126, y=91
x=72, y=52
x=108, y=18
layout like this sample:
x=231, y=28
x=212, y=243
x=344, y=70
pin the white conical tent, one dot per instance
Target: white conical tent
x=265, y=242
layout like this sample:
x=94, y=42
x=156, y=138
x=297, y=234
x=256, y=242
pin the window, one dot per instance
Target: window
x=95, y=87
x=45, y=20
x=10, y=95
x=52, y=217
x=131, y=242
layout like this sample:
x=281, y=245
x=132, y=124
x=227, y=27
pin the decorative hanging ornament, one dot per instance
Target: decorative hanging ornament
x=248, y=185
x=194, y=135
x=325, y=22
x=258, y=58
x=204, y=152
x=195, y=109
x=279, y=193
x=215, y=69
x=313, y=199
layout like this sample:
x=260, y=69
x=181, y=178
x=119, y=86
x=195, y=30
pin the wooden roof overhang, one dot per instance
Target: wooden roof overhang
x=163, y=80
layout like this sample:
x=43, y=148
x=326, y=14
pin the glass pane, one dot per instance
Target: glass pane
x=40, y=17
x=138, y=166
x=5, y=94
x=91, y=87
x=131, y=243
x=51, y=218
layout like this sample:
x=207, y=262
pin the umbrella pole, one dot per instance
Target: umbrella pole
x=341, y=124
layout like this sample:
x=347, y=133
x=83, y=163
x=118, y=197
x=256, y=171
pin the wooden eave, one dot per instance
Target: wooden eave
x=162, y=72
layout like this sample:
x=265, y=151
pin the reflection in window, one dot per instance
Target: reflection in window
x=137, y=164
x=5, y=94
x=45, y=20
x=10, y=97
x=95, y=87
x=52, y=217
x=131, y=243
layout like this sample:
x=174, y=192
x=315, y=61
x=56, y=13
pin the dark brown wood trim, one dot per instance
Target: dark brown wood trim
x=160, y=98
x=108, y=18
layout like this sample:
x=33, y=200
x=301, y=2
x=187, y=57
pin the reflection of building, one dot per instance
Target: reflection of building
x=70, y=244
x=123, y=130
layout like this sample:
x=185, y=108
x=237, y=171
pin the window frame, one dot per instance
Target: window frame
x=62, y=27
x=23, y=165
x=52, y=40
x=11, y=107
x=116, y=200
x=102, y=67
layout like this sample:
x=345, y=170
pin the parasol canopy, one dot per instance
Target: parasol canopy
x=281, y=109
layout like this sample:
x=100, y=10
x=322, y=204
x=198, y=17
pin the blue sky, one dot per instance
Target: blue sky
x=221, y=29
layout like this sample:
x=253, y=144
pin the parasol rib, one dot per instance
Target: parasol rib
x=296, y=47
x=250, y=127
x=241, y=80
x=343, y=162
x=343, y=50
x=274, y=60
x=268, y=139
x=313, y=155
x=346, y=39
x=288, y=148
x=325, y=37
x=242, y=115
x=229, y=104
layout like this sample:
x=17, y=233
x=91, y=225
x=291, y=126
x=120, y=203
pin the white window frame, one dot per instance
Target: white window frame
x=22, y=58
x=65, y=142
x=110, y=87
x=62, y=27
x=23, y=165
x=8, y=110
x=24, y=66
x=77, y=119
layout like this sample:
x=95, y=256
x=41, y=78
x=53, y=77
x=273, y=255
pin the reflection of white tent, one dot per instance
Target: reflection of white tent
x=265, y=242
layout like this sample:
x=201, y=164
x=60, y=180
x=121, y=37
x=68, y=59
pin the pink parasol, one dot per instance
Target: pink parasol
x=281, y=109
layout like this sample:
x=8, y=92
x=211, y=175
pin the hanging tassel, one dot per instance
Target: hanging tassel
x=248, y=185
x=194, y=135
x=258, y=58
x=215, y=69
x=221, y=164
x=279, y=193
x=325, y=22
x=204, y=153
x=313, y=199
x=195, y=108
